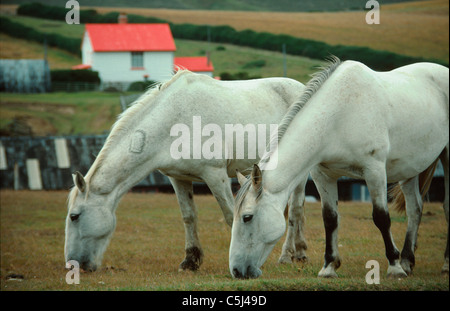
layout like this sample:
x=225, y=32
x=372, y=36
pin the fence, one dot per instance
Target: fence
x=24, y=76
x=48, y=162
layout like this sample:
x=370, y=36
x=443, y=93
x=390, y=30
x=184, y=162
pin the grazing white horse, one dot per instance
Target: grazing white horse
x=381, y=127
x=140, y=142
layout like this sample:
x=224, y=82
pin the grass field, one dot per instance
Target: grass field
x=232, y=59
x=148, y=246
x=61, y=113
x=95, y=112
x=410, y=28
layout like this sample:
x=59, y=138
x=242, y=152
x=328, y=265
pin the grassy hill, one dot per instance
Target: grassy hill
x=418, y=29
x=229, y=5
x=413, y=28
x=225, y=57
x=95, y=112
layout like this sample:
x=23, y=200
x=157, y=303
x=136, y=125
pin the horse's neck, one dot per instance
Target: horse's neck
x=299, y=150
x=122, y=166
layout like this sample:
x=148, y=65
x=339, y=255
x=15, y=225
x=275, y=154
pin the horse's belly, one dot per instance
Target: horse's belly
x=409, y=166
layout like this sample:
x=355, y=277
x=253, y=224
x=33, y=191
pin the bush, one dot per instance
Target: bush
x=255, y=64
x=139, y=86
x=18, y=30
x=36, y=9
x=85, y=75
x=242, y=75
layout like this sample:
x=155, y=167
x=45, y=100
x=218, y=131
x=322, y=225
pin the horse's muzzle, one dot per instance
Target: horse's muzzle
x=249, y=272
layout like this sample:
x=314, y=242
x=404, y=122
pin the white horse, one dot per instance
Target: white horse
x=381, y=127
x=140, y=142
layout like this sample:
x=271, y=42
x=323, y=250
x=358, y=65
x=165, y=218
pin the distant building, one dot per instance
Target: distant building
x=129, y=52
x=24, y=76
x=197, y=64
x=124, y=53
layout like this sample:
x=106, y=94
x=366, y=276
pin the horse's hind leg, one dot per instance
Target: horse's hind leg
x=445, y=162
x=327, y=188
x=294, y=246
x=194, y=253
x=414, y=205
x=376, y=182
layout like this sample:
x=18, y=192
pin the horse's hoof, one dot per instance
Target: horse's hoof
x=407, y=266
x=445, y=268
x=302, y=259
x=187, y=265
x=193, y=260
x=327, y=272
x=285, y=259
x=395, y=272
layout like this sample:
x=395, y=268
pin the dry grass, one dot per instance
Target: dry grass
x=14, y=48
x=411, y=28
x=148, y=246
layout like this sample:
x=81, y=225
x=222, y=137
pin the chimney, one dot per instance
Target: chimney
x=123, y=19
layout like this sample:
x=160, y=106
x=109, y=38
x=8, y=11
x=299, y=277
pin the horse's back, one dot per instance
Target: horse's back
x=256, y=101
x=399, y=115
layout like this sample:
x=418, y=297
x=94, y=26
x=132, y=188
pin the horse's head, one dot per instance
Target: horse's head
x=258, y=224
x=90, y=223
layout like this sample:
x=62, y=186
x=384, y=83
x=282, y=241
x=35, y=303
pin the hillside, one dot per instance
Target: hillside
x=95, y=112
x=419, y=29
x=229, y=5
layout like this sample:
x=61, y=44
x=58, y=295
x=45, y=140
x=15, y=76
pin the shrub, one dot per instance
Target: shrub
x=255, y=64
x=242, y=75
x=18, y=30
x=139, y=86
x=85, y=75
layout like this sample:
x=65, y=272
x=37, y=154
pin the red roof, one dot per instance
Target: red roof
x=198, y=63
x=130, y=37
x=81, y=66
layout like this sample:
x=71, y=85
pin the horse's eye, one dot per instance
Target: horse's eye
x=74, y=217
x=247, y=218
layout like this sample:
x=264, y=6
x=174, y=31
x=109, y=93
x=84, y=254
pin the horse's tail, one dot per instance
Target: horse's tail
x=398, y=199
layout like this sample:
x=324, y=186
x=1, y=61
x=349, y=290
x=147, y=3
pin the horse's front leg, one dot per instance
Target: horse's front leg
x=327, y=188
x=294, y=247
x=194, y=252
x=219, y=183
x=377, y=184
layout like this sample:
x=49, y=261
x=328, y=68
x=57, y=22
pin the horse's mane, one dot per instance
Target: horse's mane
x=313, y=85
x=124, y=120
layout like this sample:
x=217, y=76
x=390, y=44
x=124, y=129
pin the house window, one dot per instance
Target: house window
x=137, y=60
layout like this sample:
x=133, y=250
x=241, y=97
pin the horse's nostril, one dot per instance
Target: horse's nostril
x=236, y=273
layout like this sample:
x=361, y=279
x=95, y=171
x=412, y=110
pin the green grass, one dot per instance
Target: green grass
x=95, y=112
x=148, y=246
x=233, y=5
x=234, y=59
x=51, y=26
x=64, y=113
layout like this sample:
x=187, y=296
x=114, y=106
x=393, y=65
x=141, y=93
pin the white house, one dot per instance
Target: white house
x=124, y=53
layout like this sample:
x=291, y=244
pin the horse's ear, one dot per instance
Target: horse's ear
x=241, y=178
x=78, y=180
x=256, y=177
